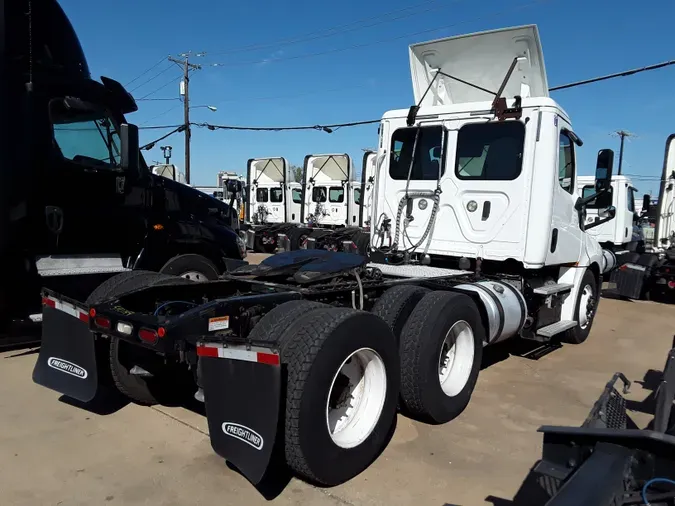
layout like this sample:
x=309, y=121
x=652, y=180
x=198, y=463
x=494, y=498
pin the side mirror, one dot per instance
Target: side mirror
x=646, y=203
x=603, y=170
x=130, y=154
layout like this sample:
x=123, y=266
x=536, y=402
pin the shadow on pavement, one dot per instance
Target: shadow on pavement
x=33, y=351
x=106, y=402
x=531, y=350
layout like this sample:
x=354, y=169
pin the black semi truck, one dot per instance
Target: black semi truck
x=77, y=201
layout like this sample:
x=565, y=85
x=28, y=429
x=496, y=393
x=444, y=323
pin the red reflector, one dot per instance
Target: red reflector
x=92, y=312
x=84, y=317
x=104, y=323
x=268, y=358
x=671, y=284
x=48, y=302
x=207, y=351
x=147, y=335
x=161, y=332
x=623, y=267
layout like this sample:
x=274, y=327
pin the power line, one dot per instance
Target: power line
x=326, y=128
x=151, y=145
x=162, y=113
x=151, y=79
x=380, y=41
x=158, y=127
x=331, y=32
x=612, y=76
x=254, y=47
x=174, y=80
x=296, y=95
x=145, y=72
x=329, y=128
x=156, y=99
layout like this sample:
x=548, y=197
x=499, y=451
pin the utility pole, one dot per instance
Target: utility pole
x=622, y=135
x=186, y=67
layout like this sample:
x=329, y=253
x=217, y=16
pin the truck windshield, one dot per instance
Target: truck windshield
x=85, y=137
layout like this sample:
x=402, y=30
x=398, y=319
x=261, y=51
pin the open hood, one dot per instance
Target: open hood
x=267, y=170
x=327, y=168
x=482, y=59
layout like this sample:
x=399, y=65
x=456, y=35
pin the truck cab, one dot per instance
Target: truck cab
x=326, y=186
x=481, y=173
x=266, y=185
x=79, y=197
x=623, y=232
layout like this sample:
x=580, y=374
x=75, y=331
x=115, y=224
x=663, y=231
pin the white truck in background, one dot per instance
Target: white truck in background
x=280, y=213
x=168, y=170
x=652, y=274
x=623, y=234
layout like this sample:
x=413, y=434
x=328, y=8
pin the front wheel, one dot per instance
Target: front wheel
x=193, y=267
x=588, y=299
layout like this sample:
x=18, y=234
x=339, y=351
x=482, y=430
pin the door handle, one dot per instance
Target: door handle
x=119, y=184
x=487, y=205
x=54, y=219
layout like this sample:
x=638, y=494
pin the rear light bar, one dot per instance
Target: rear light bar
x=239, y=352
x=66, y=307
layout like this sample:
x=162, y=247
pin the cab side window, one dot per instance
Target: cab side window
x=87, y=137
x=566, y=168
x=261, y=195
x=631, y=199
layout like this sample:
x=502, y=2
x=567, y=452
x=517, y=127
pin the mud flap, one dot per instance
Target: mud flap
x=242, y=392
x=67, y=360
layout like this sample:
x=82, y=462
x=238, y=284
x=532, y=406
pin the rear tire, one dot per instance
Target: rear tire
x=396, y=304
x=273, y=325
x=441, y=351
x=138, y=389
x=193, y=267
x=341, y=392
x=589, y=298
x=298, y=237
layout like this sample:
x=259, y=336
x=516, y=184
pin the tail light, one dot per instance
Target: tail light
x=102, y=322
x=147, y=335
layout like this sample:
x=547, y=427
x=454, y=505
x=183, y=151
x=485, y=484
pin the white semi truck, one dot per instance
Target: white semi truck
x=325, y=216
x=652, y=274
x=478, y=236
x=623, y=234
x=457, y=185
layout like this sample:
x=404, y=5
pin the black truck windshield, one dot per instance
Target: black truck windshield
x=85, y=137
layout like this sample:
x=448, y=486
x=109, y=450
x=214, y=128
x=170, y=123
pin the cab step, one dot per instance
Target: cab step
x=556, y=328
x=553, y=288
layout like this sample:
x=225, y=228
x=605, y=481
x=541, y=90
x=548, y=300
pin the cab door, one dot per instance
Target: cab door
x=92, y=205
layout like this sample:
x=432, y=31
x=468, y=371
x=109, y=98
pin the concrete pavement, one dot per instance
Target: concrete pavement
x=56, y=454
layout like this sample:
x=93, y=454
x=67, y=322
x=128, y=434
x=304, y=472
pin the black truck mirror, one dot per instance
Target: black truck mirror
x=130, y=154
x=603, y=170
x=646, y=203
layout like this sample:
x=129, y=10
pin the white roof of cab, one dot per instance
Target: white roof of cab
x=482, y=59
x=474, y=108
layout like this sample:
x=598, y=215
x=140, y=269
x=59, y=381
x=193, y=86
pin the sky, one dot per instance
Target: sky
x=282, y=63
